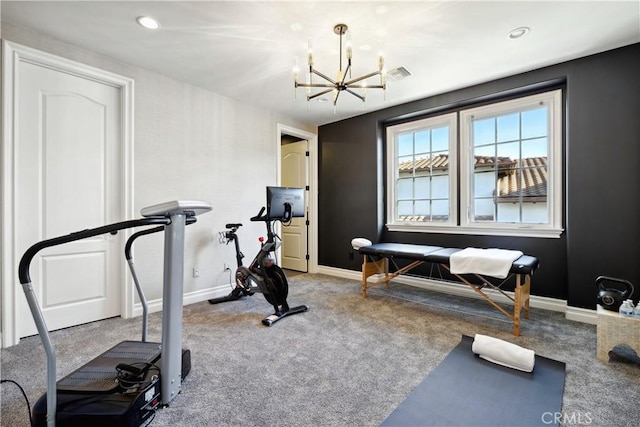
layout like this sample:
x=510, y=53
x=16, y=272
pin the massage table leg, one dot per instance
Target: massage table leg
x=370, y=268
x=521, y=301
x=381, y=266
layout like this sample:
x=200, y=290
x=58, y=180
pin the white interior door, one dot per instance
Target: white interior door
x=68, y=178
x=294, y=164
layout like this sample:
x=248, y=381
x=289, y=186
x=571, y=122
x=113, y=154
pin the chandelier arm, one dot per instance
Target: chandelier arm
x=310, y=97
x=368, y=86
x=355, y=94
x=366, y=76
x=318, y=73
x=333, y=86
x=344, y=76
x=335, y=100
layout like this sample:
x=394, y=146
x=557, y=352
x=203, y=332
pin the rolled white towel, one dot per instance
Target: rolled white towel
x=503, y=353
x=359, y=242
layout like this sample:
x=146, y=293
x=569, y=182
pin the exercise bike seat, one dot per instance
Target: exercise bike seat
x=236, y=226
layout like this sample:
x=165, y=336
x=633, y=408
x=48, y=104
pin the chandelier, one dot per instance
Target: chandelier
x=341, y=83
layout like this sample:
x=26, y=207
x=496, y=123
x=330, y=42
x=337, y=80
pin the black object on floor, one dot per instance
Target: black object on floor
x=465, y=390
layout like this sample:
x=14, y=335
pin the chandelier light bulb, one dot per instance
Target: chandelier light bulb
x=310, y=54
x=296, y=71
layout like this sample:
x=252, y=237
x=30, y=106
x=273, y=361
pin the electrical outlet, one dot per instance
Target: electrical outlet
x=196, y=272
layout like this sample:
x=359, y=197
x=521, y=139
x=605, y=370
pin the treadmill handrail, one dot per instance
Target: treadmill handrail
x=129, y=257
x=134, y=236
x=25, y=261
x=36, y=311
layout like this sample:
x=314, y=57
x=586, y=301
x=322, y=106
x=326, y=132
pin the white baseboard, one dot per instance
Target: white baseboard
x=189, y=298
x=583, y=315
x=545, y=303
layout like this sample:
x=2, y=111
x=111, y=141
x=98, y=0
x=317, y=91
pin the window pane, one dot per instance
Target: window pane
x=535, y=213
x=484, y=131
x=484, y=184
x=440, y=139
x=509, y=127
x=484, y=210
x=534, y=123
x=405, y=144
x=422, y=209
x=422, y=142
x=509, y=212
x=405, y=189
x=405, y=166
x=440, y=187
x=422, y=186
x=440, y=210
x=405, y=209
x=510, y=150
x=486, y=151
x=535, y=148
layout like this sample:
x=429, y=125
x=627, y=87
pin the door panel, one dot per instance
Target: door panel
x=68, y=155
x=294, y=237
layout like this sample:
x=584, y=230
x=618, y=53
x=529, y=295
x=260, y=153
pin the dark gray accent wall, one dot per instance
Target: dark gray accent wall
x=602, y=158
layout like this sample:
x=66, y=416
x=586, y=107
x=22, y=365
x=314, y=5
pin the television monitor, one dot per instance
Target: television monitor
x=284, y=203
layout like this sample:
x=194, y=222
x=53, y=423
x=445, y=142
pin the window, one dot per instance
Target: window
x=422, y=182
x=508, y=155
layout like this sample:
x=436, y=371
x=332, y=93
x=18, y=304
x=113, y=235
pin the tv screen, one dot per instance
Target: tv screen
x=284, y=203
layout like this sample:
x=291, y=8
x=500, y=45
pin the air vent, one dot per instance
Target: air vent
x=398, y=73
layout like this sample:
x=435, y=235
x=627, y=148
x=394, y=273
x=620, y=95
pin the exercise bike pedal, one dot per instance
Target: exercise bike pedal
x=270, y=320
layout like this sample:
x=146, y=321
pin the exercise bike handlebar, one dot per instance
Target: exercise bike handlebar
x=260, y=217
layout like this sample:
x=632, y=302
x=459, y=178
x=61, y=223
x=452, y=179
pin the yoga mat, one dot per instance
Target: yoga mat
x=465, y=390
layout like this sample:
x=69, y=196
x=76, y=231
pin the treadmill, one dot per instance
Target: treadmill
x=125, y=385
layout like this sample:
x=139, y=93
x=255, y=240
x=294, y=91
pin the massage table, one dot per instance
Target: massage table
x=376, y=263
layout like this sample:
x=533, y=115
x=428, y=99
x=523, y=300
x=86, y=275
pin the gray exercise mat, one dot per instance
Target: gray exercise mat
x=465, y=390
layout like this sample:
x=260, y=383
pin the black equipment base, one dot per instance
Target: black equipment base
x=235, y=294
x=270, y=320
x=90, y=396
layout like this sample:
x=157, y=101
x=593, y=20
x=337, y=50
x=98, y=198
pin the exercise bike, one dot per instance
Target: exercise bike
x=263, y=274
x=238, y=289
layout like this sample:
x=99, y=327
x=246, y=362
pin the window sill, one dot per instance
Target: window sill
x=546, y=233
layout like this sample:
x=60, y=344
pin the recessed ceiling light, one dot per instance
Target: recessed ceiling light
x=518, y=32
x=296, y=26
x=322, y=100
x=148, y=22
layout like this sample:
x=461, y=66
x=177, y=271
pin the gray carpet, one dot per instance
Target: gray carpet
x=346, y=362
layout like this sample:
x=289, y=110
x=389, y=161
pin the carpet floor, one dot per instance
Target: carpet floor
x=348, y=361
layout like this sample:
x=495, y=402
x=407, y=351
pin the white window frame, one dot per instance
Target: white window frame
x=450, y=120
x=552, y=229
x=460, y=146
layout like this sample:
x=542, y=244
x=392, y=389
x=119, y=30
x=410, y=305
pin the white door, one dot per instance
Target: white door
x=68, y=178
x=294, y=237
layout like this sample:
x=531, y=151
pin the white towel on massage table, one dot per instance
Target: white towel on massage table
x=503, y=353
x=489, y=262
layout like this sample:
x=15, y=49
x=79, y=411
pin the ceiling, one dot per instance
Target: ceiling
x=247, y=50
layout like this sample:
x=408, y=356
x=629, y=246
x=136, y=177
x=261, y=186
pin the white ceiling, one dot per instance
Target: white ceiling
x=246, y=50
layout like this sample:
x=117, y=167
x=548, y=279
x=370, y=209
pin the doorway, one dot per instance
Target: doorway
x=297, y=166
